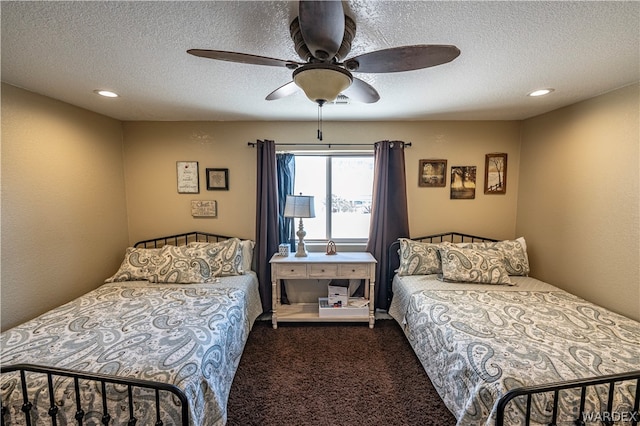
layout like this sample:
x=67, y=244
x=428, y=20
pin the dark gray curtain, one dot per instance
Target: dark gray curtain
x=266, y=217
x=286, y=166
x=389, y=218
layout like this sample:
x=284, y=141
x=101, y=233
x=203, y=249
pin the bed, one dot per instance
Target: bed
x=501, y=347
x=158, y=343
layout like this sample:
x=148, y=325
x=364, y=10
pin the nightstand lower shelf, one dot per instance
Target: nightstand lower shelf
x=308, y=312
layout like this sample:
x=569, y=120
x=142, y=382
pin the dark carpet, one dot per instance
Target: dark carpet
x=332, y=374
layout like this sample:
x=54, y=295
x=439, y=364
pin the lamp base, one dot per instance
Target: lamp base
x=302, y=250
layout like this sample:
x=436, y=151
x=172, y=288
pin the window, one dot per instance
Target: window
x=342, y=186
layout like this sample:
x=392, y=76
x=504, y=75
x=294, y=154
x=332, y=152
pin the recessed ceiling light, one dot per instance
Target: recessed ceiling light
x=540, y=92
x=106, y=93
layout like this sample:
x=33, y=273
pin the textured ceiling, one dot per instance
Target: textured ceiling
x=65, y=50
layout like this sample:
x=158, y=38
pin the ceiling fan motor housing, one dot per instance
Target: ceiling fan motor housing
x=303, y=51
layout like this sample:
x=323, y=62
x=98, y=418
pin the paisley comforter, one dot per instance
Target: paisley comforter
x=189, y=335
x=477, y=342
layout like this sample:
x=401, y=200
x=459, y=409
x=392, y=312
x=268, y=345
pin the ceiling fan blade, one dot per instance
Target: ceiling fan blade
x=405, y=58
x=283, y=91
x=322, y=27
x=243, y=58
x=362, y=91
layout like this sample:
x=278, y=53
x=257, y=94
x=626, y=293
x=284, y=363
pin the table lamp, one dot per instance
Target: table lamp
x=300, y=206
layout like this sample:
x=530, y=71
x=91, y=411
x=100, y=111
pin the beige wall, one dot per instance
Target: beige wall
x=63, y=208
x=579, y=199
x=155, y=207
x=572, y=190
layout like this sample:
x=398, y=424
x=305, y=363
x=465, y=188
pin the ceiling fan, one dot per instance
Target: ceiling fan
x=322, y=35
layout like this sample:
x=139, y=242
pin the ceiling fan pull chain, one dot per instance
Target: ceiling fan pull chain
x=319, y=121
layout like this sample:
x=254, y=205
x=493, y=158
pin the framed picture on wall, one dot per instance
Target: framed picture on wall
x=188, y=179
x=495, y=173
x=204, y=208
x=432, y=173
x=217, y=179
x=463, y=182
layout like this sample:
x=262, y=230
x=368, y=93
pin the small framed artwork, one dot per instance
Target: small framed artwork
x=204, y=208
x=188, y=179
x=432, y=173
x=495, y=173
x=217, y=179
x=463, y=182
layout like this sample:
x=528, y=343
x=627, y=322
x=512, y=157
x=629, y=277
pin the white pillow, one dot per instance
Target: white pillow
x=247, y=255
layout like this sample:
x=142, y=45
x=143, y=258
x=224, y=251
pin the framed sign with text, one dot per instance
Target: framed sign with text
x=188, y=179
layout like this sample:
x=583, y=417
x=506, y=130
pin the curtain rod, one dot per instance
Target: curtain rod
x=253, y=144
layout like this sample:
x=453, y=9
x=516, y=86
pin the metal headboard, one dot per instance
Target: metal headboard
x=181, y=239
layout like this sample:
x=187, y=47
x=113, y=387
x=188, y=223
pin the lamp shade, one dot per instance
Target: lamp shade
x=299, y=206
x=322, y=82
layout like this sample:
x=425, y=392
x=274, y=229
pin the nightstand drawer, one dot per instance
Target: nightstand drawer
x=292, y=271
x=323, y=271
x=355, y=270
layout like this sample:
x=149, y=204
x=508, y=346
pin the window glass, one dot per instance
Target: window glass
x=341, y=186
x=311, y=178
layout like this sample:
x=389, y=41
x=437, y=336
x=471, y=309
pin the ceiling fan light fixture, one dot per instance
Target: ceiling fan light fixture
x=322, y=82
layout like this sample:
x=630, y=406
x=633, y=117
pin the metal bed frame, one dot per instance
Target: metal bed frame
x=608, y=418
x=102, y=379
x=181, y=239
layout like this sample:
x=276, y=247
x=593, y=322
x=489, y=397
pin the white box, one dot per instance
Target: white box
x=326, y=310
x=338, y=296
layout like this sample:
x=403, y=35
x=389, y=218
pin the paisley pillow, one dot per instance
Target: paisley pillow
x=200, y=262
x=194, y=263
x=482, y=266
x=516, y=260
x=138, y=265
x=417, y=258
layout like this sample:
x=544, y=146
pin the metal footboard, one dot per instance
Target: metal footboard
x=102, y=380
x=608, y=418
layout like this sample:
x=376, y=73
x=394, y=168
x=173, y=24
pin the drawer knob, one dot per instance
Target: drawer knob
x=353, y=270
x=323, y=270
x=292, y=270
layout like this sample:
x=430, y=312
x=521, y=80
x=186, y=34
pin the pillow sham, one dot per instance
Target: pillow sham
x=246, y=251
x=225, y=258
x=180, y=265
x=482, y=266
x=417, y=258
x=138, y=265
x=516, y=260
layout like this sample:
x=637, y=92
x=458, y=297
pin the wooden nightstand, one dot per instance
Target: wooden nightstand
x=358, y=265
